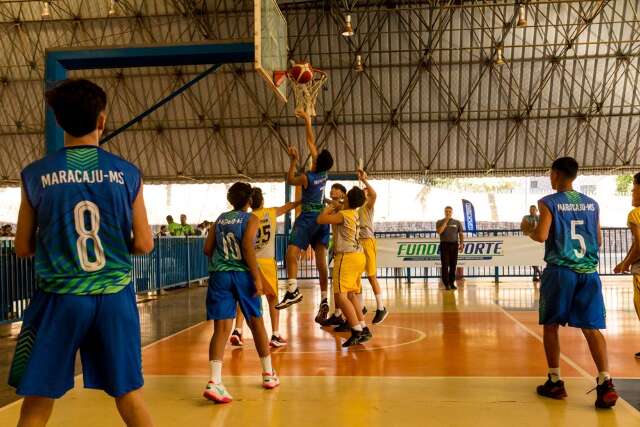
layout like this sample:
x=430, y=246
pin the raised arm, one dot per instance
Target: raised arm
x=541, y=232
x=292, y=177
x=372, y=196
x=288, y=207
x=249, y=251
x=25, y=240
x=330, y=215
x=142, y=236
x=311, y=139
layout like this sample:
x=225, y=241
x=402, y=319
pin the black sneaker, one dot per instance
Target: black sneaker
x=342, y=327
x=289, y=299
x=354, y=339
x=607, y=394
x=366, y=335
x=380, y=316
x=453, y=287
x=333, y=320
x=236, y=339
x=554, y=390
x=323, y=312
x=637, y=355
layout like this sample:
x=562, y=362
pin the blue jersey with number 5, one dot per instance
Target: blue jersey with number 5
x=573, y=237
x=83, y=200
x=227, y=255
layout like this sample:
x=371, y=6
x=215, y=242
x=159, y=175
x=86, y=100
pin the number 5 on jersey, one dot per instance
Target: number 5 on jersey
x=577, y=236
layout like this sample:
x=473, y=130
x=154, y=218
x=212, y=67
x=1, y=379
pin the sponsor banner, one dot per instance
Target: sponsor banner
x=478, y=251
x=469, y=216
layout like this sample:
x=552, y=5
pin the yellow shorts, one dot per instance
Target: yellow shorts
x=347, y=269
x=370, y=248
x=269, y=271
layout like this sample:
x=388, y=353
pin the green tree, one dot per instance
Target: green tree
x=623, y=184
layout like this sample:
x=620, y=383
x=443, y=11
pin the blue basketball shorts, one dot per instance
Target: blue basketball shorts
x=568, y=297
x=226, y=290
x=306, y=231
x=106, y=330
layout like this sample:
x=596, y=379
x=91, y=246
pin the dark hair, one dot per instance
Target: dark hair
x=566, y=166
x=324, y=162
x=239, y=195
x=256, y=198
x=77, y=103
x=163, y=226
x=636, y=179
x=169, y=217
x=340, y=187
x=448, y=207
x=356, y=197
x=533, y=206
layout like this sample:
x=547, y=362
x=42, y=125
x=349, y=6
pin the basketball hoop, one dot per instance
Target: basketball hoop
x=305, y=92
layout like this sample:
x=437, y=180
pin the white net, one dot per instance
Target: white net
x=306, y=94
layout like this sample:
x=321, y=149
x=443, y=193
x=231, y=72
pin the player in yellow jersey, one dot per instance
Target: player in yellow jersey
x=266, y=256
x=632, y=260
x=349, y=262
x=368, y=242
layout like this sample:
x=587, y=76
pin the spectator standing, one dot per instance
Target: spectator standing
x=451, y=242
x=174, y=228
x=187, y=229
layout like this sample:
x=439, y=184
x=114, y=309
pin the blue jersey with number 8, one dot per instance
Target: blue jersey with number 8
x=573, y=237
x=229, y=229
x=83, y=200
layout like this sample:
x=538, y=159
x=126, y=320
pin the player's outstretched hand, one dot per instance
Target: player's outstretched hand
x=303, y=115
x=293, y=153
x=362, y=175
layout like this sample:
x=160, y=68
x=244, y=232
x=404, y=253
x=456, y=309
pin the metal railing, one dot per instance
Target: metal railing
x=177, y=261
x=174, y=261
x=615, y=243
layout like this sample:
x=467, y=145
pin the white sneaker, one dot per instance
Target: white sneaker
x=270, y=381
x=217, y=393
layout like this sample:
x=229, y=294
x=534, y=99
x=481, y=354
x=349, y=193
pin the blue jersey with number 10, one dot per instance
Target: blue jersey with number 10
x=573, y=237
x=227, y=255
x=83, y=200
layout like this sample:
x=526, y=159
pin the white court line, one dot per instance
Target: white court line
x=566, y=359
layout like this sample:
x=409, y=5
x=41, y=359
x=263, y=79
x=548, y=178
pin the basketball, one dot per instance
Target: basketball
x=301, y=73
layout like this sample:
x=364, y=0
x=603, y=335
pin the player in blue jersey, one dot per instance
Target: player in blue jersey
x=234, y=280
x=79, y=208
x=571, y=292
x=306, y=230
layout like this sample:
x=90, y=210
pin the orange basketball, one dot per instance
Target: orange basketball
x=301, y=73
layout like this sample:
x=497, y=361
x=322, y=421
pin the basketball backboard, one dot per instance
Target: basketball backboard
x=270, y=40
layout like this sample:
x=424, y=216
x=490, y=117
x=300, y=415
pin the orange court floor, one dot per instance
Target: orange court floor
x=470, y=357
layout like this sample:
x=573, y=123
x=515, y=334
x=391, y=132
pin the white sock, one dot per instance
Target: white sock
x=323, y=295
x=379, y=304
x=554, y=373
x=276, y=334
x=357, y=328
x=266, y=364
x=292, y=285
x=338, y=312
x=215, y=367
x=603, y=376
x=363, y=324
